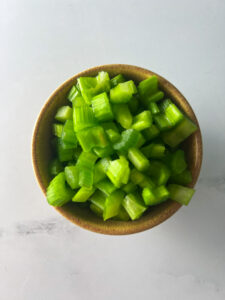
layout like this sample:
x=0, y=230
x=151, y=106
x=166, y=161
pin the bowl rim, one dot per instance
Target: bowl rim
x=138, y=226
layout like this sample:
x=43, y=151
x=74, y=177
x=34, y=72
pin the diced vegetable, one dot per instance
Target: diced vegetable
x=154, y=150
x=122, y=215
x=123, y=115
x=72, y=176
x=98, y=198
x=118, y=171
x=162, y=122
x=180, y=193
x=142, y=120
x=57, y=129
x=68, y=134
x=134, y=206
x=138, y=159
x=64, y=154
x=153, y=107
x=83, y=117
x=151, y=132
x=159, y=172
x=172, y=112
x=112, y=204
x=106, y=186
x=183, y=178
x=83, y=194
x=141, y=179
x=55, y=167
x=102, y=108
x=128, y=138
x=123, y=92
x=64, y=113
x=177, y=162
x=117, y=79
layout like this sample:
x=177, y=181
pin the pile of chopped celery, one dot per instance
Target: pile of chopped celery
x=116, y=148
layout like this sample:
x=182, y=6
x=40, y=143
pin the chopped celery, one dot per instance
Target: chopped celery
x=68, y=134
x=138, y=159
x=83, y=117
x=172, y=112
x=154, y=150
x=179, y=133
x=103, y=152
x=86, y=160
x=72, y=176
x=159, y=172
x=153, y=107
x=98, y=198
x=177, y=162
x=183, y=178
x=73, y=94
x=117, y=79
x=96, y=210
x=100, y=169
x=86, y=177
x=109, y=125
x=122, y=215
x=148, y=87
x=58, y=193
x=129, y=138
x=113, y=135
x=83, y=194
x=134, y=104
x=118, y=171
x=142, y=120
x=148, y=196
x=123, y=92
x=85, y=164
x=102, y=108
x=57, y=129
x=123, y=115
x=129, y=188
x=106, y=186
x=180, y=193
x=141, y=140
x=151, y=132
x=112, y=204
x=162, y=122
x=161, y=193
x=156, y=97
x=141, y=179
x=155, y=196
x=64, y=113
x=134, y=206
x=64, y=154
x=55, y=167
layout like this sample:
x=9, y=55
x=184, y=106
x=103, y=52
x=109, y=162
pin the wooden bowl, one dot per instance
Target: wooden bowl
x=41, y=154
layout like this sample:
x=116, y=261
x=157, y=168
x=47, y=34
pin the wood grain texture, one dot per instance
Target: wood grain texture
x=41, y=153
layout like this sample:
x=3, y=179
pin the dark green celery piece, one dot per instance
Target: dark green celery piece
x=68, y=134
x=72, y=176
x=179, y=133
x=113, y=135
x=134, y=104
x=159, y=172
x=96, y=210
x=151, y=132
x=58, y=193
x=134, y=206
x=105, y=186
x=98, y=198
x=153, y=107
x=103, y=152
x=83, y=117
x=154, y=150
x=177, y=162
x=148, y=87
x=118, y=171
x=171, y=111
x=155, y=196
x=123, y=115
x=112, y=204
x=138, y=159
x=130, y=187
x=110, y=125
x=77, y=152
x=162, y=122
x=123, y=92
x=100, y=169
x=55, y=167
x=83, y=194
x=57, y=129
x=141, y=179
x=142, y=120
x=64, y=113
x=122, y=215
x=64, y=154
x=117, y=79
x=128, y=139
x=66, y=145
x=91, y=86
x=141, y=141
x=183, y=178
x=180, y=194
x=102, y=108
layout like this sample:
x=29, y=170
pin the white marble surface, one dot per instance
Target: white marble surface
x=43, y=256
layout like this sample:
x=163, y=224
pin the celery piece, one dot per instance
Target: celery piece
x=150, y=133
x=103, y=152
x=66, y=145
x=109, y=125
x=123, y=92
x=86, y=160
x=128, y=139
x=83, y=194
x=179, y=133
x=64, y=113
x=122, y=215
x=77, y=152
x=134, y=206
x=86, y=177
x=172, y=112
x=141, y=179
x=142, y=120
x=99, y=137
x=55, y=167
x=148, y=87
x=123, y=115
x=112, y=204
x=91, y=86
x=102, y=108
x=100, y=169
x=68, y=134
x=113, y=135
x=177, y=162
x=153, y=107
x=138, y=159
x=83, y=117
x=117, y=79
x=162, y=122
x=159, y=172
x=74, y=93
x=148, y=196
x=64, y=154
x=130, y=187
x=134, y=104
x=141, y=140
x=57, y=129
x=58, y=193
x=183, y=178
x=106, y=186
x=118, y=171
x=180, y=193
x=154, y=150
x=98, y=198
x=156, y=97
x=85, y=164
x=72, y=176
x=155, y=196
x=161, y=193
x=96, y=210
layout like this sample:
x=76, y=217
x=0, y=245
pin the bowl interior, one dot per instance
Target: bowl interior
x=79, y=214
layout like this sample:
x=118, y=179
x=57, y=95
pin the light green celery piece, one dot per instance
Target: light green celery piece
x=83, y=117
x=64, y=154
x=64, y=113
x=148, y=196
x=153, y=107
x=68, y=135
x=129, y=138
x=98, y=198
x=117, y=79
x=102, y=108
x=112, y=204
x=148, y=87
x=141, y=141
x=180, y=194
x=57, y=129
x=109, y=125
x=119, y=171
x=86, y=160
x=138, y=159
x=103, y=152
x=123, y=115
x=106, y=186
x=134, y=206
x=72, y=176
x=156, y=97
x=142, y=120
x=154, y=150
x=73, y=94
x=100, y=169
x=159, y=172
x=122, y=215
x=123, y=92
x=155, y=196
x=83, y=194
x=141, y=179
x=113, y=135
x=162, y=122
x=58, y=193
x=130, y=187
